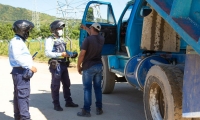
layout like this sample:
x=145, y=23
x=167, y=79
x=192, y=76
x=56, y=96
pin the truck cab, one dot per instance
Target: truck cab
x=124, y=47
x=148, y=47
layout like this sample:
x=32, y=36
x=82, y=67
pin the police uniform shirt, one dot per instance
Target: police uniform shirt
x=49, y=47
x=19, y=55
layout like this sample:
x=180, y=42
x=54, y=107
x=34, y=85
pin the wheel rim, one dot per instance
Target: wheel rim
x=156, y=102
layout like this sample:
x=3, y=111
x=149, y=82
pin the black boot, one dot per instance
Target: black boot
x=58, y=108
x=99, y=111
x=17, y=118
x=71, y=105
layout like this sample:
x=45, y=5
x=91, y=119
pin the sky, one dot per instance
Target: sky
x=50, y=6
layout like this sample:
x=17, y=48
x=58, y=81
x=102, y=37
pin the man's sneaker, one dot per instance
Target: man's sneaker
x=71, y=105
x=99, y=111
x=58, y=108
x=84, y=113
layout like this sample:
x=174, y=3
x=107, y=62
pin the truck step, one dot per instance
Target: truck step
x=118, y=71
x=117, y=61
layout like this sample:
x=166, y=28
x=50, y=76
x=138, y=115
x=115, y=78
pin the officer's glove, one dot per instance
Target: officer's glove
x=72, y=54
x=75, y=54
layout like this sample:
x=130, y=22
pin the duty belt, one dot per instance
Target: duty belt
x=58, y=59
x=17, y=70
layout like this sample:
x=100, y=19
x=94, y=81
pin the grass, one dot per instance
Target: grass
x=39, y=46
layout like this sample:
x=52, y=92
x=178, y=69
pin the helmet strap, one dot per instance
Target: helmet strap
x=55, y=34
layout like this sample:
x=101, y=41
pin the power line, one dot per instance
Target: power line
x=69, y=11
x=35, y=16
x=49, y=9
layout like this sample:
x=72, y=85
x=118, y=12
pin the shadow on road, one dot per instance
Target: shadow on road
x=5, y=117
x=124, y=103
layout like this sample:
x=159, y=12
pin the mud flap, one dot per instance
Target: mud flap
x=191, y=86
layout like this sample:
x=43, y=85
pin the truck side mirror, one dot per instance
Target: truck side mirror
x=145, y=11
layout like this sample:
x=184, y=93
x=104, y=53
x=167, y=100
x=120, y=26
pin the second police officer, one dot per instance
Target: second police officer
x=23, y=69
x=55, y=48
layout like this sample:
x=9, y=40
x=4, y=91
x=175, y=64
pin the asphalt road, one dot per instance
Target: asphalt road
x=125, y=103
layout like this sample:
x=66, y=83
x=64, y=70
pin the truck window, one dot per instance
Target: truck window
x=127, y=14
x=100, y=13
x=124, y=24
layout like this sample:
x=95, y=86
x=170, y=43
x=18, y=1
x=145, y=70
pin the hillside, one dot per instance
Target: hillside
x=11, y=14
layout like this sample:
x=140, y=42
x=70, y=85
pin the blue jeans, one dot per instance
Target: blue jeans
x=93, y=74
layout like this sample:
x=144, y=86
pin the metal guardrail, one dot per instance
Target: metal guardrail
x=35, y=40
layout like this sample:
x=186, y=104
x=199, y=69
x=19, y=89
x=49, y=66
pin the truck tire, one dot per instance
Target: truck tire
x=108, y=82
x=162, y=95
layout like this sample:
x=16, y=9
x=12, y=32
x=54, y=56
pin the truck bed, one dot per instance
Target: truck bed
x=183, y=16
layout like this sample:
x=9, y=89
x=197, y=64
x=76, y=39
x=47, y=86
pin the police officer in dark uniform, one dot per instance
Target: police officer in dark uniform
x=55, y=48
x=23, y=69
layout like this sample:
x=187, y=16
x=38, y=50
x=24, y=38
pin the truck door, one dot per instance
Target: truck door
x=122, y=28
x=101, y=12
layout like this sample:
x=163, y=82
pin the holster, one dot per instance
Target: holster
x=53, y=63
x=27, y=73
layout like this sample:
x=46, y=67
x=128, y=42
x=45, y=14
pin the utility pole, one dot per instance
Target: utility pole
x=35, y=16
x=69, y=11
x=62, y=13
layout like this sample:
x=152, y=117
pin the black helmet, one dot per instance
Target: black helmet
x=55, y=25
x=22, y=28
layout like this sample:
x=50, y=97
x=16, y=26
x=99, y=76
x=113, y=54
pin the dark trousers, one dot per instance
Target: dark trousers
x=21, y=95
x=55, y=85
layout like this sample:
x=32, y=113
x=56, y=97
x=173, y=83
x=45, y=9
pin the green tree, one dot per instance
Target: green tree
x=6, y=32
x=44, y=31
x=90, y=16
x=34, y=34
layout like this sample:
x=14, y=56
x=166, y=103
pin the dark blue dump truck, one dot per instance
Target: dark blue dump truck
x=154, y=46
